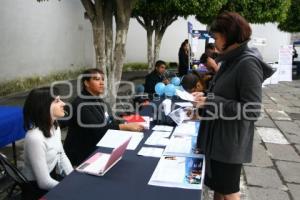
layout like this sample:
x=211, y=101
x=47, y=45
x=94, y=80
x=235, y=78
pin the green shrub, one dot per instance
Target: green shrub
x=135, y=66
x=144, y=66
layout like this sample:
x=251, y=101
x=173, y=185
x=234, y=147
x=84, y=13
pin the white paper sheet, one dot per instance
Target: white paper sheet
x=162, y=128
x=113, y=138
x=164, y=134
x=182, y=146
x=151, y=152
x=185, y=95
x=184, y=104
x=188, y=128
x=157, y=141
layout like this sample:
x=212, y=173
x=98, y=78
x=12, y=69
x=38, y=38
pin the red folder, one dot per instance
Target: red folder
x=133, y=118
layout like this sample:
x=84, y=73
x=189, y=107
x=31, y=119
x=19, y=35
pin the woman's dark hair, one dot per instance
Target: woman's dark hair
x=87, y=74
x=186, y=41
x=232, y=26
x=190, y=80
x=209, y=46
x=36, y=110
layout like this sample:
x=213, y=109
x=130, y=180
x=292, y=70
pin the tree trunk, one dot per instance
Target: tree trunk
x=150, y=49
x=122, y=17
x=157, y=43
x=99, y=36
x=108, y=22
x=109, y=59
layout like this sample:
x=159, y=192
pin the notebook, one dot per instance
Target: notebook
x=100, y=163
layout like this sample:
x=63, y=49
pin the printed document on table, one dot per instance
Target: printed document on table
x=179, y=172
x=113, y=138
x=182, y=146
x=157, y=141
x=188, y=128
x=164, y=134
x=151, y=152
x=162, y=128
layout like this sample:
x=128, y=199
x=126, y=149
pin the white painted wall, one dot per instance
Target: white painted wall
x=177, y=32
x=39, y=38
x=274, y=39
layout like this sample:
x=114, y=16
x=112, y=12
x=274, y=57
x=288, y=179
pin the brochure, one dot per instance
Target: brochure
x=179, y=172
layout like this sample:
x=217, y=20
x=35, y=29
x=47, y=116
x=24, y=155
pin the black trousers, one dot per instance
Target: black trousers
x=32, y=190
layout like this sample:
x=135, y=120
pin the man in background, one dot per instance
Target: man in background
x=156, y=76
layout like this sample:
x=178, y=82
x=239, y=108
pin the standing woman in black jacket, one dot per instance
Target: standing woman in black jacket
x=90, y=119
x=231, y=106
x=183, y=57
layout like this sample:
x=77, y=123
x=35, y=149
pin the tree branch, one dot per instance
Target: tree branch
x=140, y=21
x=89, y=8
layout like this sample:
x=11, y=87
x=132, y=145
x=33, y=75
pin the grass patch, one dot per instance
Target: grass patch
x=23, y=84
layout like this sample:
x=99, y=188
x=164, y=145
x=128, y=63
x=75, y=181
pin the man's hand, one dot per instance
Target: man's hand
x=166, y=81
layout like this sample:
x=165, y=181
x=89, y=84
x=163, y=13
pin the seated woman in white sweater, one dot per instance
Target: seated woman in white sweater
x=44, y=156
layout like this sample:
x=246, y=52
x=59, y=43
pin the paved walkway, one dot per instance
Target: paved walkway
x=274, y=173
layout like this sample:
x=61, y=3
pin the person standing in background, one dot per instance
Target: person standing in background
x=183, y=57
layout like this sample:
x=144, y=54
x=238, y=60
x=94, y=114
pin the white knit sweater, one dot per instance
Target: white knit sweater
x=41, y=155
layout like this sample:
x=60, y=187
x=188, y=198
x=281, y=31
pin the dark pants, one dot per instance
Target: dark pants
x=32, y=190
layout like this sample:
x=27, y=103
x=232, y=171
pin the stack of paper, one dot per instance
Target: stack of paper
x=180, y=172
x=113, y=138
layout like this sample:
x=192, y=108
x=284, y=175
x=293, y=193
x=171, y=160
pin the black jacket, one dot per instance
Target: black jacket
x=87, y=126
x=233, y=105
x=183, y=66
x=151, y=80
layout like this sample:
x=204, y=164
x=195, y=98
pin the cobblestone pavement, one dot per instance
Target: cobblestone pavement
x=274, y=173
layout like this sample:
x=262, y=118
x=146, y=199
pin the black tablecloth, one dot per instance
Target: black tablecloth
x=127, y=180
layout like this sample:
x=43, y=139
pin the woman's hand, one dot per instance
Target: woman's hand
x=212, y=65
x=199, y=99
x=132, y=127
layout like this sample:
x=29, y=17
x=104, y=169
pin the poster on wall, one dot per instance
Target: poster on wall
x=285, y=63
